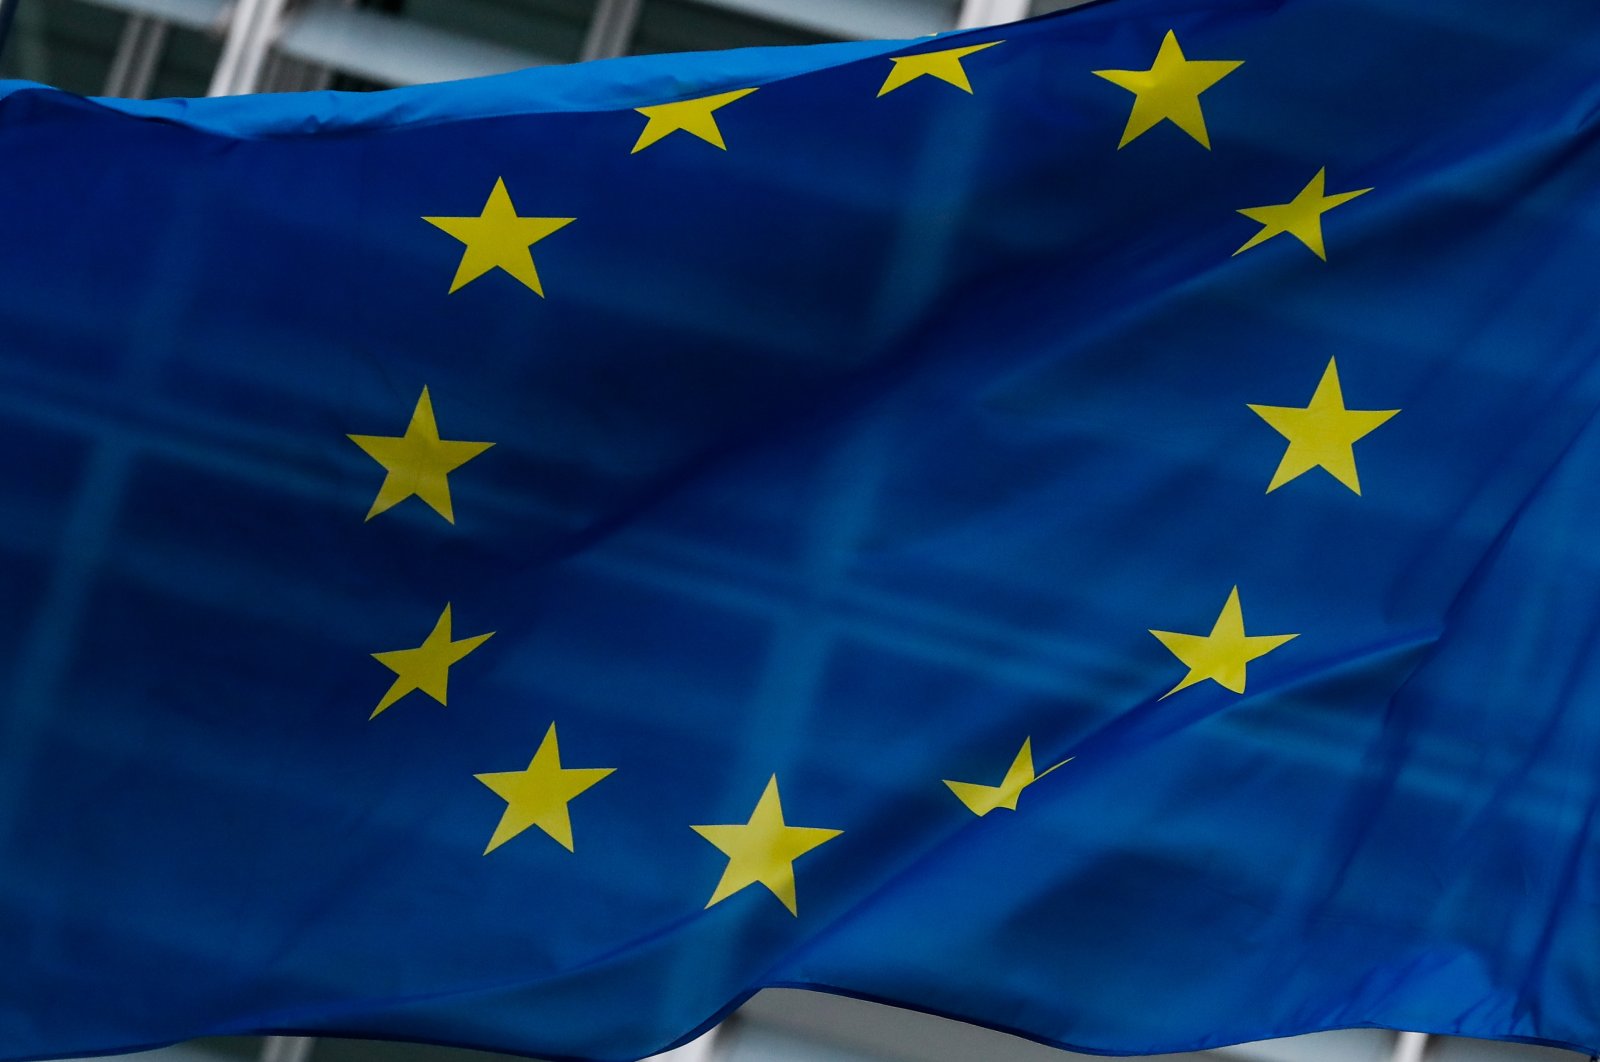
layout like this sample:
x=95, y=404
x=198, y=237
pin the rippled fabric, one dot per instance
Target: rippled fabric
x=854, y=452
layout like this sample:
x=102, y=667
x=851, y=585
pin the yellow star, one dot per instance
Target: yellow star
x=1222, y=654
x=982, y=799
x=539, y=795
x=763, y=850
x=1301, y=217
x=427, y=667
x=498, y=239
x=945, y=65
x=1323, y=434
x=418, y=462
x=692, y=116
x=1170, y=91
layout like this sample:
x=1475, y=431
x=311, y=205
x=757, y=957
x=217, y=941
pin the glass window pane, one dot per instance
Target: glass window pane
x=1456, y=1049
x=680, y=26
x=551, y=28
x=186, y=63
x=66, y=43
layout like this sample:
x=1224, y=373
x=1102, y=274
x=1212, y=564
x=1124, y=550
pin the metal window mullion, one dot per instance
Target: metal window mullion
x=707, y=1048
x=133, y=69
x=240, y=19
x=611, y=29
x=251, y=31
x=1410, y=1047
x=976, y=13
x=254, y=57
x=287, y=1048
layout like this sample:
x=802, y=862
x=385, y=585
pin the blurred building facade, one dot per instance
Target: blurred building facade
x=153, y=48
x=145, y=48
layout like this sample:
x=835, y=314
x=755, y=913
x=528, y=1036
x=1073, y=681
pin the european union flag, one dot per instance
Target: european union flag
x=1088, y=528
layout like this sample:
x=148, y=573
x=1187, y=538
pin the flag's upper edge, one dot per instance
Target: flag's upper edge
x=603, y=85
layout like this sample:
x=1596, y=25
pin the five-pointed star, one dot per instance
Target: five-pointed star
x=1301, y=217
x=498, y=239
x=696, y=116
x=418, y=462
x=944, y=65
x=1170, y=91
x=763, y=850
x=539, y=795
x=427, y=667
x=1322, y=434
x=1222, y=654
x=982, y=799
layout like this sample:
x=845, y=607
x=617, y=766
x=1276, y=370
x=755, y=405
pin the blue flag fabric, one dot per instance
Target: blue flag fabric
x=1087, y=527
